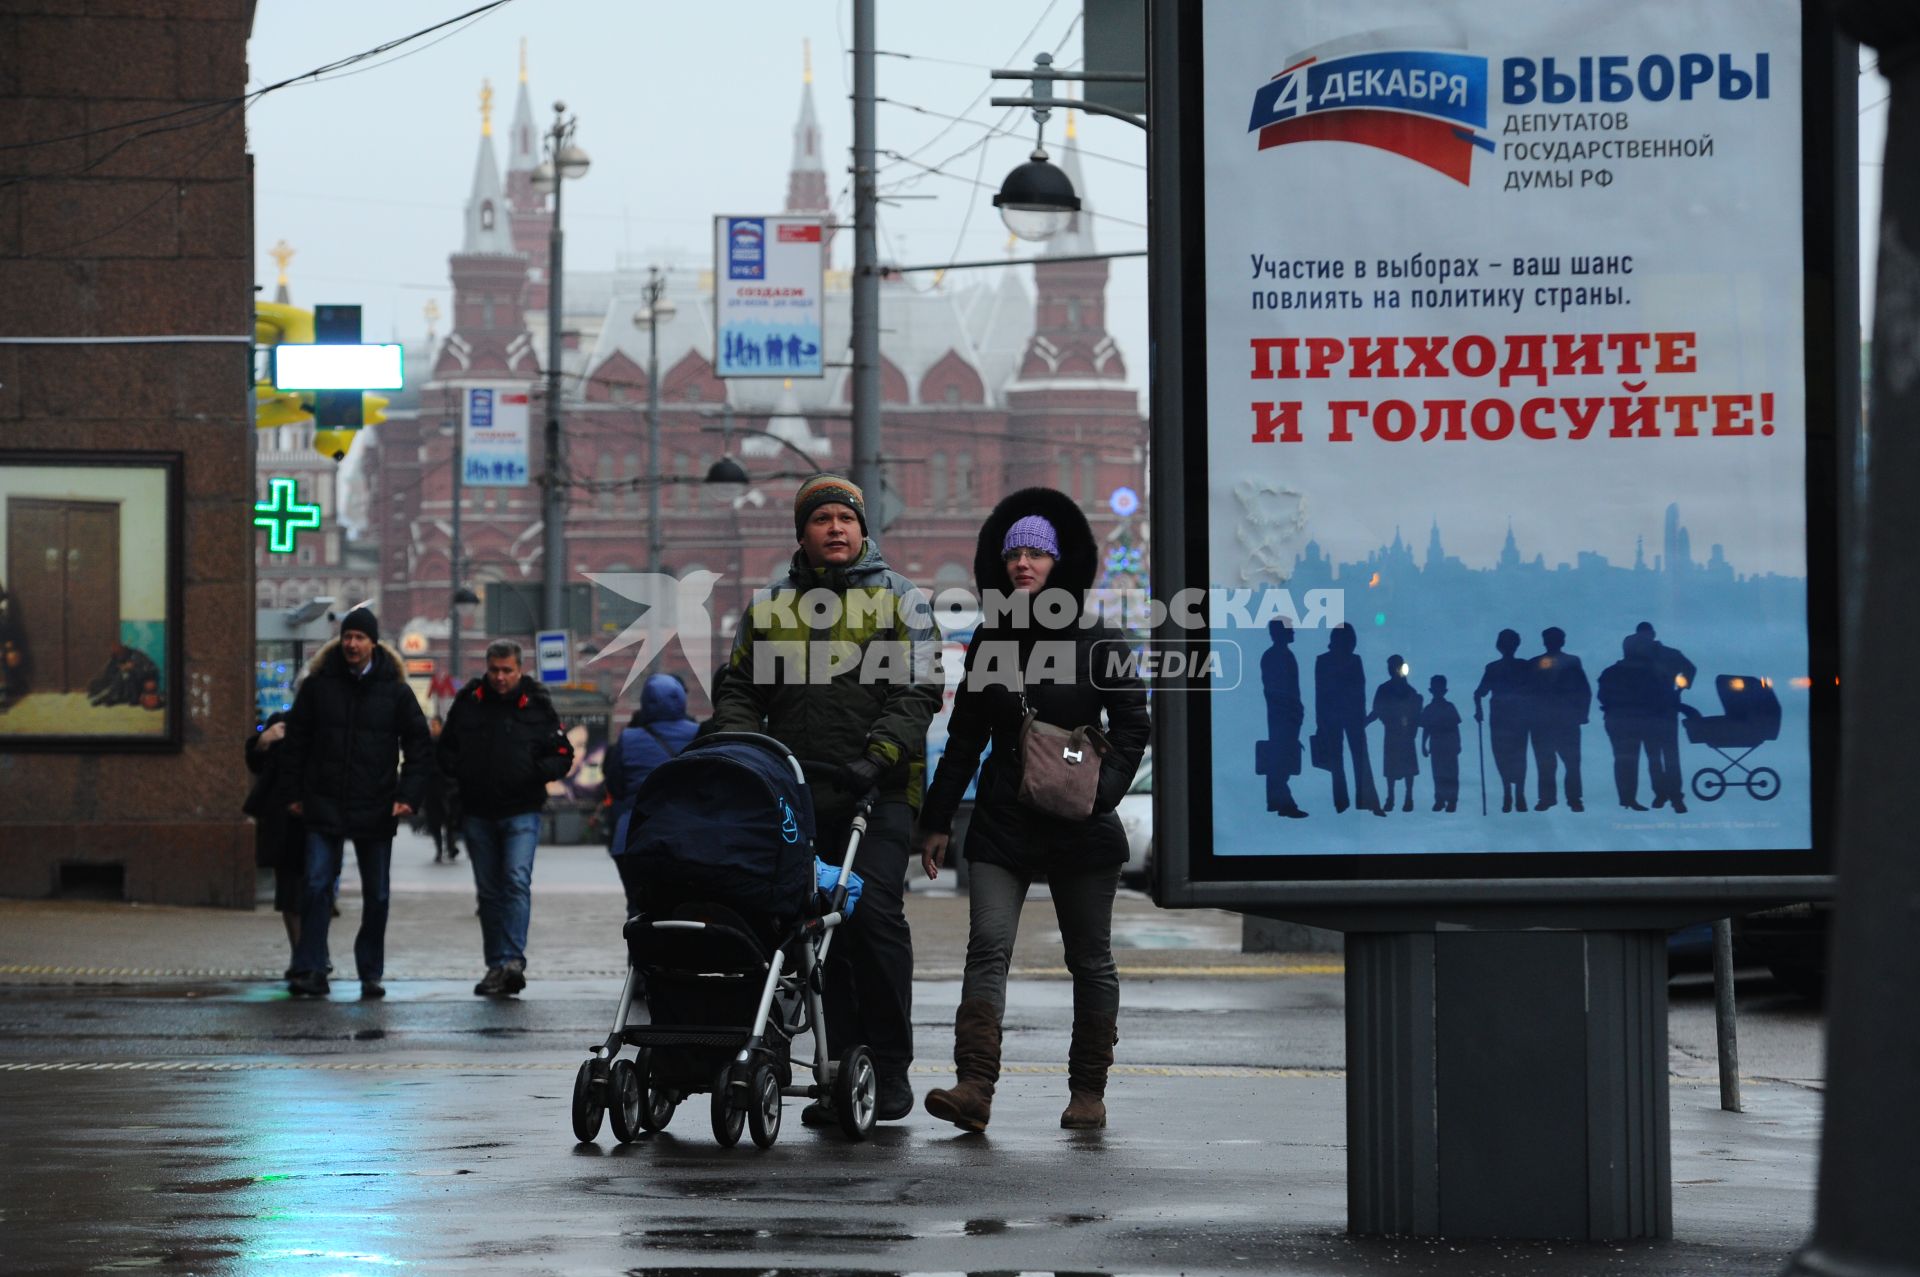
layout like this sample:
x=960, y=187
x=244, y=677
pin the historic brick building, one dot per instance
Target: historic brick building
x=125, y=264
x=986, y=388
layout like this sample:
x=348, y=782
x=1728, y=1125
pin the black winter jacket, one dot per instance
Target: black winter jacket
x=341, y=759
x=1003, y=830
x=502, y=750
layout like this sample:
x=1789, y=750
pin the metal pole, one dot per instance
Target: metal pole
x=1865, y=1221
x=866, y=267
x=655, y=285
x=1726, y=1027
x=554, y=509
x=453, y=562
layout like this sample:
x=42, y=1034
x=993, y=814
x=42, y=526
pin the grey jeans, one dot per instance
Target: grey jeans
x=1083, y=903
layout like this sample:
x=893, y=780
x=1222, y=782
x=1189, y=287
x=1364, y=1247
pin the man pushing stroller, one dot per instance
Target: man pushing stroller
x=856, y=689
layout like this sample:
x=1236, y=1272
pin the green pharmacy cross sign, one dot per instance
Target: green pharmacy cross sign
x=282, y=515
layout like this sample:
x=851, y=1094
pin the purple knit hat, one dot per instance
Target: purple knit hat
x=1032, y=533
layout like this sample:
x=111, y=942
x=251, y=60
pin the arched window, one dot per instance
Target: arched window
x=682, y=492
x=603, y=472
x=1089, y=479
x=634, y=497
x=937, y=481
x=963, y=481
x=1063, y=473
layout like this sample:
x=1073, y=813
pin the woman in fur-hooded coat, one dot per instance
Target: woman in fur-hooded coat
x=1036, y=543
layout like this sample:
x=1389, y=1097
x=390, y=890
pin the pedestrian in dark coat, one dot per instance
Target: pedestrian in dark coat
x=1037, y=543
x=1633, y=695
x=350, y=725
x=660, y=729
x=501, y=746
x=279, y=837
x=1663, y=741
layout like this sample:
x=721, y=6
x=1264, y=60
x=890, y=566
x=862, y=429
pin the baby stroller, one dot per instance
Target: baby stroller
x=728, y=952
x=1752, y=719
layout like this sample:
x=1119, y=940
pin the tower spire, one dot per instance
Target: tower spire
x=807, y=178
x=486, y=218
x=282, y=253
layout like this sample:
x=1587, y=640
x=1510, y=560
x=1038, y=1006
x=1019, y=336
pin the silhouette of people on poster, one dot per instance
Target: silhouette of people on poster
x=1631, y=700
x=1507, y=682
x=1563, y=701
x=1663, y=749
x=1280, y=681
x=1440, y=742
x=1340, y=719
x=1396, y=707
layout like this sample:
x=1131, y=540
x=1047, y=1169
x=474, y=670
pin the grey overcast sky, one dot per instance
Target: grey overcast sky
x=686, y=111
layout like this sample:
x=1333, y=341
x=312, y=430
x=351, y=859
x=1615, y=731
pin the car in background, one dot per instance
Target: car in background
x=1136, y=817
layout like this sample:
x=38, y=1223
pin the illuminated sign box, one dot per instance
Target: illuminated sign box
x=337, y=367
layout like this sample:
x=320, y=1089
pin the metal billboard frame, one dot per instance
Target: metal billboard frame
x=1552, y=889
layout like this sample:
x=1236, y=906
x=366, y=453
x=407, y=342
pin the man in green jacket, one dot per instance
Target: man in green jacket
x=837, y=662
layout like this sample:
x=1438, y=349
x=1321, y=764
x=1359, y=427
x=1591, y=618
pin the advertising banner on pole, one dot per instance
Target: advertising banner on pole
x=1506, y=432
x=768, y=274
x=495, y=435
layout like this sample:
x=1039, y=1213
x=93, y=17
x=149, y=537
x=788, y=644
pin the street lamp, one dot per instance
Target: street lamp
x=658, y=310
x=563, y=160
x=1037, y=200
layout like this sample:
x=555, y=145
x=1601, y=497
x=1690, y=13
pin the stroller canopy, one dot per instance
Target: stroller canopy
x=727, y=820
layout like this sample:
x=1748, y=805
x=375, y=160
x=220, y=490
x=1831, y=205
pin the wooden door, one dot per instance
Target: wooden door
x=36, y=577
x=63, y=570
x=92, y=588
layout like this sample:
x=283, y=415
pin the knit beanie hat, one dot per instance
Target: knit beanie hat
x=1032, y=533
x=361, y=619
x=827, y=489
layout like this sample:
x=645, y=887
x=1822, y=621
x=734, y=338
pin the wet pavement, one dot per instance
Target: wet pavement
x=183, y=1122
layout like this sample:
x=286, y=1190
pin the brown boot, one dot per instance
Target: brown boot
x=1088, y=1059
x=976, y=1059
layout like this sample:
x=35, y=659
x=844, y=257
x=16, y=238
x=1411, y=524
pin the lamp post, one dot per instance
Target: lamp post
x=564, y=160
x=659, y=309
x=1037, y=201
x=458, y=461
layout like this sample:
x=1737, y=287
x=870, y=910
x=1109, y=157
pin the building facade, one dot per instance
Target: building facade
x=986, y=388
x=126, y=265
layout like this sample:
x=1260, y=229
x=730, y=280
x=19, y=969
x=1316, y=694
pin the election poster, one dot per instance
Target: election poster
x=768, y=274
x=1506, y=427
x=495, y=434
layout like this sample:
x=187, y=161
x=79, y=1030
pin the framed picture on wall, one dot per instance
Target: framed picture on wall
x=90, y=613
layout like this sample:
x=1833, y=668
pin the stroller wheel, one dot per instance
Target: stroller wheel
x=1709, y=784
x=856, y=1089
x=588, y=1104
x=729, y=1118
x=657, y=1103
x=624, y=1100
x=763, y=1112
x=1764, y=783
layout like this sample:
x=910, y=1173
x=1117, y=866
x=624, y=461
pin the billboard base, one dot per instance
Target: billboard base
x=1508, y=1084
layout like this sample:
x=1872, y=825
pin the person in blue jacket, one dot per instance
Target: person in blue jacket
x=660, y=729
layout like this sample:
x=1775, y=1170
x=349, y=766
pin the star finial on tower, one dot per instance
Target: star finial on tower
x=523, y=59
x=486, y=108
x=281, y=253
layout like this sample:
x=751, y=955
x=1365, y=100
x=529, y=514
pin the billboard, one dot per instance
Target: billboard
x=1495, y=315
x=767, y=280
x=495, y=433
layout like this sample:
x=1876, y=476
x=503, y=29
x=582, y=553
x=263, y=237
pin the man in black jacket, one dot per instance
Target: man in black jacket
x=341, y=773
x=501, y=745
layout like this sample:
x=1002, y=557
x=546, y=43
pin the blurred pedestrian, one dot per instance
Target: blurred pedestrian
x=279, y=836
x=659, y=730
x=342, y=771
x=439, y=818
x=502, y=744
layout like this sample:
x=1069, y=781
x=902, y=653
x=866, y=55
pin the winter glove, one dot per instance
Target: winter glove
x=861, y=776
